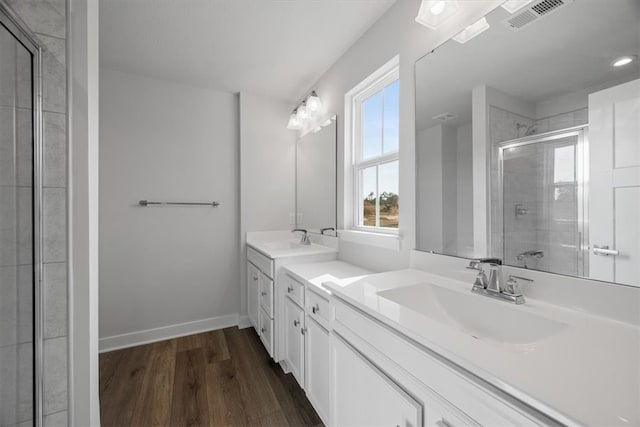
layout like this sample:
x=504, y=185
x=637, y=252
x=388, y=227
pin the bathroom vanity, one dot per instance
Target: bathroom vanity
x=267, y=253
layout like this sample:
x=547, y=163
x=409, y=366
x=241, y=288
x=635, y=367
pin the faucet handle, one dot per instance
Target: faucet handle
x=512, y=287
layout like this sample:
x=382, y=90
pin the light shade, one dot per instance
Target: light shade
x=472, y=30
x=432, y=13
x=512, y=6
x=302, y=113
x=294, y=123
x=314, y=105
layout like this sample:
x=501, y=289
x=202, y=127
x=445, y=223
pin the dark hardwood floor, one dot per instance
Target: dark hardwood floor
x=219, y=378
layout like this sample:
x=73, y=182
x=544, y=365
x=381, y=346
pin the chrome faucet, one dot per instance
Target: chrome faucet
x=492, y=287
x=526, y=254
x=304, y=239
x=322, y=230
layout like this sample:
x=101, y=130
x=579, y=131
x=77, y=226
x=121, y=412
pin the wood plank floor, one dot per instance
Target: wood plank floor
x=218, y=378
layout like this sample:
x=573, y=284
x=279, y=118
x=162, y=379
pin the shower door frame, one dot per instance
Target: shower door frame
x=582, y=178
x=12, y=22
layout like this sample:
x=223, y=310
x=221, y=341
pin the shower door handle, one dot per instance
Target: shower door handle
x=604, y=250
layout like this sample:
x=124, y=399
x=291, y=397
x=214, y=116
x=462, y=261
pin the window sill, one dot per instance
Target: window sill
x=379, y=240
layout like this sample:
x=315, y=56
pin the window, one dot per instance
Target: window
x=375, y=143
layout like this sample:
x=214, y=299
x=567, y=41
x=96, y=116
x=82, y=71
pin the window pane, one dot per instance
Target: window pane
x=369, y=196
x=564, y=164
x=391, y=117
x=372, y=126
x=388, y=177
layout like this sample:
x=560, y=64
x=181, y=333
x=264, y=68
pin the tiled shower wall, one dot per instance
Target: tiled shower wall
x=47, y=19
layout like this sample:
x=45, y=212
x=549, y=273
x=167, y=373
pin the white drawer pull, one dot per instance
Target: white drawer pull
x=315, y=309
x=264, y=294
x=290, y=289
x=443, y=423
x=263, y=330
x=296, y=322
x=303, y=331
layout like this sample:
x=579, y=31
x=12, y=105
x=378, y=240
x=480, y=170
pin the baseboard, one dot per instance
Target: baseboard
x=147, y=336
x=244, y=322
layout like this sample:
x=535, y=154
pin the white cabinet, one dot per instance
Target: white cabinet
x=317, y=367
x=266, y=331
x=260, y=298
x=294, y=339
x=363, y=395
x=253, y=290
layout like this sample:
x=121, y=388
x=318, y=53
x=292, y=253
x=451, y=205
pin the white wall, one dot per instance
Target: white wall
x=162, y=266
x=395, y=33
x=83, y=144
x=267, y=172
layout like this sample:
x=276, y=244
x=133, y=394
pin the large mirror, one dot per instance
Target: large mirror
x=316, y=178
x=528, y=141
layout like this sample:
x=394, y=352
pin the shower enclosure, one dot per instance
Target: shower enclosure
x=20, y=219
x=543, y=201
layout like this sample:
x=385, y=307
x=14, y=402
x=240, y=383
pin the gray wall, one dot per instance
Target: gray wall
x=165, y=266
x=48, y=20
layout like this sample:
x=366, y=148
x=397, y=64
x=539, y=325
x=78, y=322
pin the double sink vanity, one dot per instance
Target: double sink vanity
x=417, y=347
x=521, y=303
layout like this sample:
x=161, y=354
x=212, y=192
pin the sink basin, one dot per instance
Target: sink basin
x=284, y=244
x=477, y=315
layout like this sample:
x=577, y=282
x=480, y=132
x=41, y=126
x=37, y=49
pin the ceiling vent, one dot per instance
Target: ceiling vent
x=533, y=13
x=445, y=116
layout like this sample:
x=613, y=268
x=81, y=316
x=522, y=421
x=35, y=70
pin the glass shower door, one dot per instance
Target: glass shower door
x=543, y=204
x=17, y=260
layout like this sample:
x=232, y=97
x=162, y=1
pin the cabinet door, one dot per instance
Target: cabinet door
x=363, y=395
x=317, y=367
x=294, y=339
x=266, y=332
x=266, y=294
x=253, y=295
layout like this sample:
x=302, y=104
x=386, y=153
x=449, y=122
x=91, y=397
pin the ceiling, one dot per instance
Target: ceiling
x=275, y=48
x=567, y=52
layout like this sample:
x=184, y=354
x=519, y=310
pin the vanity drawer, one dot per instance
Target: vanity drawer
x=266, y=331
x=319, y=308
x=263, y=262
x=266, y=295
x=294, y=290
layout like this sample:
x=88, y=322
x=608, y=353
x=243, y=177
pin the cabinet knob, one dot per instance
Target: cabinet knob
x=263, y=330
x=296, y=322
x=264, y=294
x=290, y=289
x=303, y=331
x=315, y=309
x=443, y=423
x=255, y=279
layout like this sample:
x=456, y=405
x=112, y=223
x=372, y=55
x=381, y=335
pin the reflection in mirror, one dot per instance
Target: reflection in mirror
x=528, y=142
x=316, y=178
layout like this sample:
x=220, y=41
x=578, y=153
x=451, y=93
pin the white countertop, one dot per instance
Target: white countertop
x=589, y=373
x=284, y=244
x=339, y=273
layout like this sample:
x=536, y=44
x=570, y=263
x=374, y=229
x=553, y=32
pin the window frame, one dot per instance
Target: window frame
x=376, y=82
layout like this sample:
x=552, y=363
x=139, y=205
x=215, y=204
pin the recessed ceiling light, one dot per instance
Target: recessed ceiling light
x=432, y=13
x=623, y=60
x=471, y=31
x=512, y=6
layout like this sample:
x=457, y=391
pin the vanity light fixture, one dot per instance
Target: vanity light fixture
x=307, y=114
x=512, y=6
x=623, y=60
x=432, y=13
x=294, y=122
x=472, y=30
